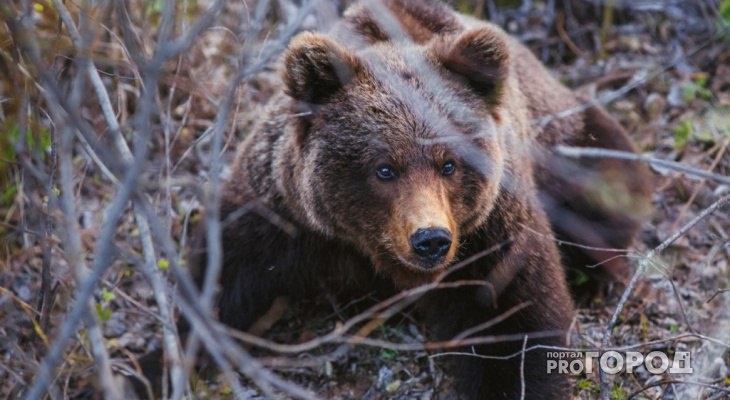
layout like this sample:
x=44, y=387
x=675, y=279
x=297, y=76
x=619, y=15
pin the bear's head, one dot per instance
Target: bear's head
x=399, y=147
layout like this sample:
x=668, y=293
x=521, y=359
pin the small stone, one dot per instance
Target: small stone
x=717, y=368
x=654, y=105
x=675, y=98
x=385, y=377
x=670, y=322
x=624, y=105
x=709, y=277
x=114, y=327
x=629, y=43
x=24, y=293
x=131, y=341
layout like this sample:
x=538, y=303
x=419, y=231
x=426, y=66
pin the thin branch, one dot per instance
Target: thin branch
x=493, y=321
x=592, y=152
x=47, y=296
x=717, y=293
x=103, y=251
x=586, y=349
x=681, y=304
x=169, y=334
x=522, y=370
x=450, y=344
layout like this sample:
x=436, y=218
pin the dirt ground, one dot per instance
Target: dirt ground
x=661, y=67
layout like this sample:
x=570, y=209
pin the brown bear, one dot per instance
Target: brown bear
x=407, y=145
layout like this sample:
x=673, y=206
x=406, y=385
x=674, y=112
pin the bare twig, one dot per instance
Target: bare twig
x=681, y=304
x=717, y=293
x=592, y=152
x=522, y=369
x=45, y=302
x=493, y=321
x=170, y=343
x=650, y=344
x=153, y=274
x=560, y=27
x=103, y=252
x=450, y=344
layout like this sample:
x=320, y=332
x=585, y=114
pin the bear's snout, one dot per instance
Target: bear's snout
x=432, y=244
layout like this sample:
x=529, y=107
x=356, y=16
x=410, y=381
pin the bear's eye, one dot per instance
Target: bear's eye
x=448, y=168
x=385, y=173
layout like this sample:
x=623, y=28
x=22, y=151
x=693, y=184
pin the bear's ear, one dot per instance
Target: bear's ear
x=317, y=68
x=480, y=58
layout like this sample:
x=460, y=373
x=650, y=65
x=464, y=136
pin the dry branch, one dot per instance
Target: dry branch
x=591, y=152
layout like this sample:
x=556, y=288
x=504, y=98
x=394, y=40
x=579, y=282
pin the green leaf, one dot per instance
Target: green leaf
x=579, y=278
x=725, y=12
x=717, y=121
x=701, y=80
x=9, y=144
x=8, y=195
x=103, y=313
x=696, y=89
x=163, y=263
x=589, y=385
x=682, y=133
x=107, y=296
x=155, y=7
x=689, y=92
x=618, y=392
x=386, y=354
x=45, y=139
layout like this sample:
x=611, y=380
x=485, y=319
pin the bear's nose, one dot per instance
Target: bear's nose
x=431, y=243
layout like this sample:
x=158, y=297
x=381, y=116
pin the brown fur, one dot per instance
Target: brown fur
x=415, y=107
x=594, y=203
x=458, y=91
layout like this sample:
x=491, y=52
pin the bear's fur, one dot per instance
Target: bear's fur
x=597, y=204
x=414, y=86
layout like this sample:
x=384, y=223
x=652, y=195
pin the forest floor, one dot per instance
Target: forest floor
x=663, y=71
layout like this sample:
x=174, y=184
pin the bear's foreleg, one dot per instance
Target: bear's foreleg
x=524, y=295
